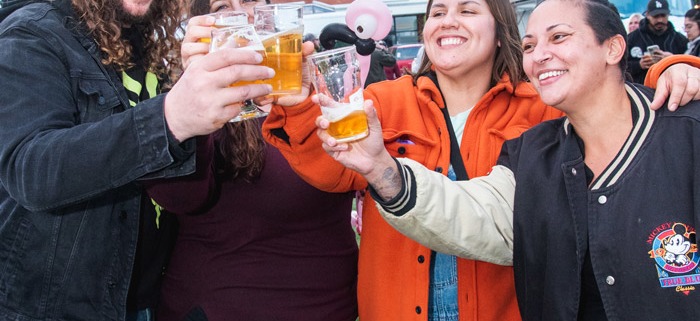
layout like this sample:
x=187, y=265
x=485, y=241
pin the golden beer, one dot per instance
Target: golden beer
x=241, y=36
x=283, y=54
x=250, y=82
x=352, y=126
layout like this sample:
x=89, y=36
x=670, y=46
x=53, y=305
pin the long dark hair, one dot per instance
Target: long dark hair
x=241, y=149
x=509, y=56
x=159, y=32
x=694, y=15
x=240, y=146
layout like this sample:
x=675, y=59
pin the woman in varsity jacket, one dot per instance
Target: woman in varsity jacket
x=602, y=224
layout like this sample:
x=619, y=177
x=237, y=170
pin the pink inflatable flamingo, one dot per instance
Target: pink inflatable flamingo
x=366, y=22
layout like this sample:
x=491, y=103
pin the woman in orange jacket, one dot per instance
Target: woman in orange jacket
x=452, y=116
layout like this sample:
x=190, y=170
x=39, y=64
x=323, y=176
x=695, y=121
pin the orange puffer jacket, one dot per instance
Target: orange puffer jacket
x=394, y=271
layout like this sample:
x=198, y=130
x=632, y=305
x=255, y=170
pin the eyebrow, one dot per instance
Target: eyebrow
x=442, y=5
x=549, y=29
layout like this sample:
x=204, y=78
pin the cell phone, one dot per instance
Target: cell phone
x=653, y=49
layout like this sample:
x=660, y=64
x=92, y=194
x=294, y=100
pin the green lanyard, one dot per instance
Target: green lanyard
x=133, y=90
x=134, y=87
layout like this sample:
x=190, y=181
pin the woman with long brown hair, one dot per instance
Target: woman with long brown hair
x=255, y=241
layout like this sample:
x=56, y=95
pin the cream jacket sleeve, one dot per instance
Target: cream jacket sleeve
x=470, y=219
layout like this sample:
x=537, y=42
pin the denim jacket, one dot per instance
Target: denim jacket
x=71, y=156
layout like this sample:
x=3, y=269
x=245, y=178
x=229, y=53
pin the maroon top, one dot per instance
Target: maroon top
x=274, y=249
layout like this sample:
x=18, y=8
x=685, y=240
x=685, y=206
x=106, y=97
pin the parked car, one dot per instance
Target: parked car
x=415, y=65
x=404, y=55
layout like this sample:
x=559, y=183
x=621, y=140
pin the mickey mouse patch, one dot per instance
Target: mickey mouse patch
x=675, y=254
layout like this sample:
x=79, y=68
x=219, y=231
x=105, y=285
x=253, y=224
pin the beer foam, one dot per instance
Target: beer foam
x=266, y=35
x=335, y=111
x=338, y=111
x=231, y=21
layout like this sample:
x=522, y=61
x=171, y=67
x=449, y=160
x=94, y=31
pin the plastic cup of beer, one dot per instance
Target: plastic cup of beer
x=227, y=19
x=339, y=90
x=280, y=28
x=244, y=37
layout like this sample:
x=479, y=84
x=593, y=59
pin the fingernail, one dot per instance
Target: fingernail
x=269, y=88
x=270, y=72
x=673, y=107
x=258, y=57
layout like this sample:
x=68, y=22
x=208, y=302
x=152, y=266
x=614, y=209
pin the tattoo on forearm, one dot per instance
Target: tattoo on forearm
x=389, y=185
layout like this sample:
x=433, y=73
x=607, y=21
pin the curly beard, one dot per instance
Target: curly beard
x=128, y=18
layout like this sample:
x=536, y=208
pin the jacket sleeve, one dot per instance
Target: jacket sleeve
x=292, y=130
x=191, y=194
x=658, y=68
x=49, y=158
x=471, y=219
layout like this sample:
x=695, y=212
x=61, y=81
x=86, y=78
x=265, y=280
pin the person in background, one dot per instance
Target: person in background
x=633, y=23
x=310, y=37
x=392, y=72
x=379, y=61
x=692, y=29
x=452, y=117
x=655, y=29
x=83, y=124
x=577, y=205
x=255, y=241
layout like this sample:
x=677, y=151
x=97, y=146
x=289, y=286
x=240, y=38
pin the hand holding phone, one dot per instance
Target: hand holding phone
x=655, y=52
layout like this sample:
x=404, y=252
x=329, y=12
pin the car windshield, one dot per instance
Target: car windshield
x=629, y=7
x=407, y=52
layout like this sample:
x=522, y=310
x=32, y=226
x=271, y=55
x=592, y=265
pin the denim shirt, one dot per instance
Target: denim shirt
x=70, y=160
x=443, y=293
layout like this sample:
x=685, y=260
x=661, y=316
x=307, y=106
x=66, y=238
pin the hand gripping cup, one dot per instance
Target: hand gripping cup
x=243, y=37
x=339, y=89
x=280, y=28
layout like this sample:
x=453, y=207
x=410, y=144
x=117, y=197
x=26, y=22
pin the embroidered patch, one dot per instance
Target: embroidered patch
x=675, y=252
x=636, y=52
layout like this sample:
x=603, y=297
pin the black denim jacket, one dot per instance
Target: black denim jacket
x=71, y=155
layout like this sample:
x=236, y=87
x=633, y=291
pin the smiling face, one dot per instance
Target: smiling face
x=460, y=36
x=246, y=6
x=562, y=56
x=634, y=23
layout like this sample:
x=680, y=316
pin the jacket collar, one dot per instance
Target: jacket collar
x=10, y=6
x=642, y=121
x=429, y=86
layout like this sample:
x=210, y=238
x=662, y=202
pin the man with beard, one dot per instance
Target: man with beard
x=655, y=29
x=83, y=123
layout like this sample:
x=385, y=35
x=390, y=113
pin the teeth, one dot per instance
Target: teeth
x=550, y=74
x=451, y=41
